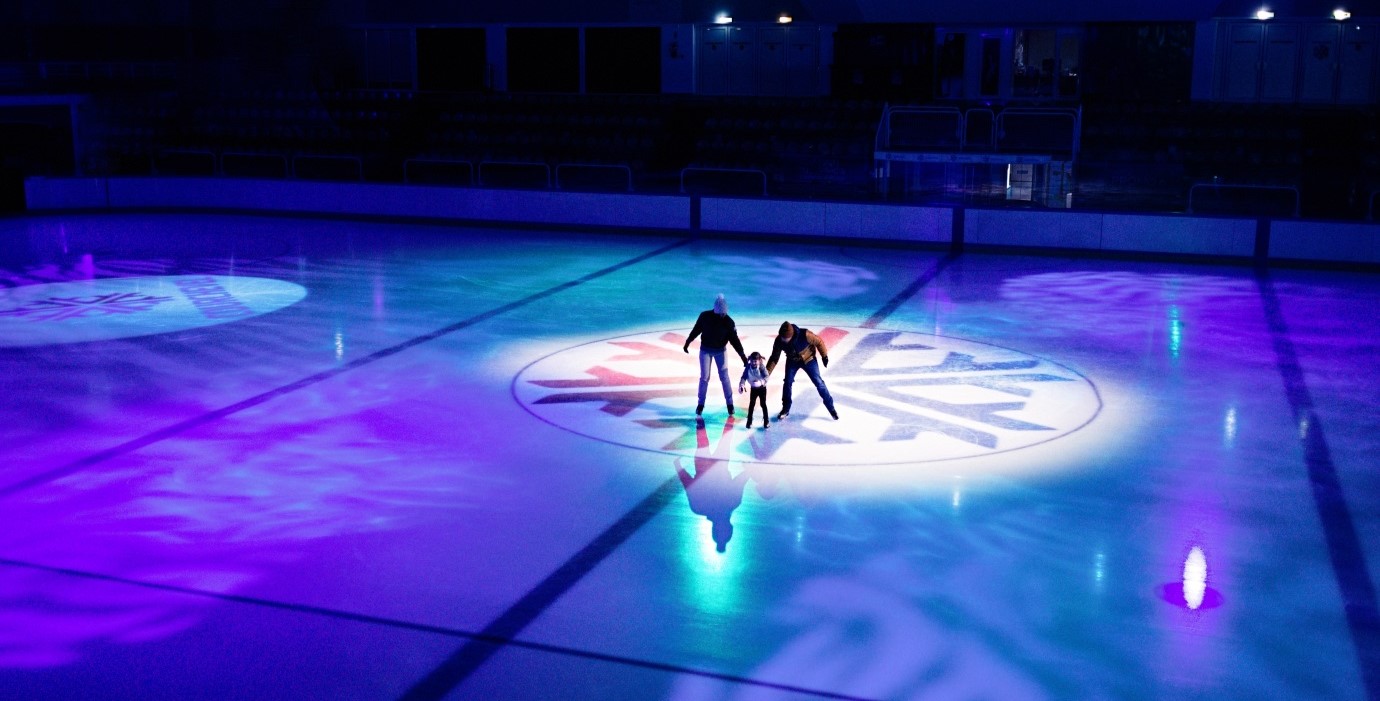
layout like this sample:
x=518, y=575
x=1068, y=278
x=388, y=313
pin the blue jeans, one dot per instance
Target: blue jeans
x=812, y=371
x=716, y=356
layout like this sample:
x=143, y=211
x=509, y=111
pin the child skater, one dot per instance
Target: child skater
x=756, y=375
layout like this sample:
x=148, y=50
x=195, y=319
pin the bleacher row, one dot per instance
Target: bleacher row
x=1133, y=155
x=653, y=137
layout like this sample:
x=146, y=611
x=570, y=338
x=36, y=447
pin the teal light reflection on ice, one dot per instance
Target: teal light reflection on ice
x=715, y=579
x=710, y=559
x=1176, y=332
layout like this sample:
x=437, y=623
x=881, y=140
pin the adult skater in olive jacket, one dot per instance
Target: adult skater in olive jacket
x=804, y=351
x=716, y=330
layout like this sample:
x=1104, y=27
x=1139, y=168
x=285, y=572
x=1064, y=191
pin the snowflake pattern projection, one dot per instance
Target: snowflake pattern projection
x=861, y=371
x=796, y=279
x=67, y=308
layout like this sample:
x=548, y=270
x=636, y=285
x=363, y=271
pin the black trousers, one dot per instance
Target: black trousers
x=755, y=395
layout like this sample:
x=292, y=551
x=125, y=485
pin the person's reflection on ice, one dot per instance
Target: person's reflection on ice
x=713, y=491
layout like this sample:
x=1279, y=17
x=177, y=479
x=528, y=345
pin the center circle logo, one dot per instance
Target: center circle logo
x=95, y=310
x=902, y=397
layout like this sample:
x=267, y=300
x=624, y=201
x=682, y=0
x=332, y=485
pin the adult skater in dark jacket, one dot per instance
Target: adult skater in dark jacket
x=716, y=330
x=804, y=351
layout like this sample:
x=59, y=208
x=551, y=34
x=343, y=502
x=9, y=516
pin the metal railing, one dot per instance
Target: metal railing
x=743, y=173
x=939, y=151
x=1054, y=130
x=594, y=168
x=514, y=168
x=941, y=128
x=1038, y=129
x=340, y=168
x=186, y=162
x=973, y=121
x=254, y=165
x=438, y=171
x=200, y=162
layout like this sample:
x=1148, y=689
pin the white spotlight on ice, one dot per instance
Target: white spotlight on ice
x=723, y=18
x=1264, y=14
x=1341, y=15
x=1195, y=578
x=786, y=19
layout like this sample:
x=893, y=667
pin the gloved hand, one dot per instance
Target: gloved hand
x=826, y=361
x=740, y=389
x=686, y=348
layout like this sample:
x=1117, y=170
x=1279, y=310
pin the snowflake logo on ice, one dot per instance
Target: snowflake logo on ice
x=904, y=397
x=65, y=308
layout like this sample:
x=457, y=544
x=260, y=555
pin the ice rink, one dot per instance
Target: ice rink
x=249, y=457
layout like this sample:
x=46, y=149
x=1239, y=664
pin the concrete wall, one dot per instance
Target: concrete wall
x=1289, y=239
